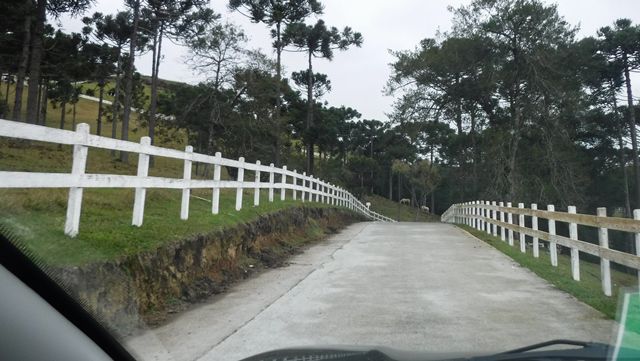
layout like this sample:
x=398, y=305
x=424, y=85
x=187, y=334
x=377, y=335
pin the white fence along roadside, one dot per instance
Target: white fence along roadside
x=77, y=180
x=477, y=213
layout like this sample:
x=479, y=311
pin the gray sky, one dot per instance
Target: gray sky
x=358, y=75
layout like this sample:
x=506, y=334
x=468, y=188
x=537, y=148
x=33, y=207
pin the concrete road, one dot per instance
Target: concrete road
x=413, y=286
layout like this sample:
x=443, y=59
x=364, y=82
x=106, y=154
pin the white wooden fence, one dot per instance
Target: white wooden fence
x=307, y=187
x=498, y=218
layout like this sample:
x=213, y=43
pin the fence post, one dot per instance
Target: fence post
x=480, y=215
x=494, y=216
x=481, y=210
x=553, y=248
x=240, y=189
x=473, y=215
x=464, y=213
x=332, y=195
x=636, y=216
x=503, y=235
x=510, y=221
x=271, y=180
x=311, y=188
x=78, y=167
x=605, y=266
x=256, y=190
x=215, y=200
x=318, y=190
x=523, y=242
x=140, y=193
x=575, y=258
x=534, y=226
x=283, y=192
x=186, y=192
x=294, y=181
x=487, y=213
x=303, y=194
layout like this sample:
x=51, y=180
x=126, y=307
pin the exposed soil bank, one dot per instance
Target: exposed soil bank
x=146, y=287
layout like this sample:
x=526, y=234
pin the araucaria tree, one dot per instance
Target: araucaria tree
x=277, y=15
x=317, y=41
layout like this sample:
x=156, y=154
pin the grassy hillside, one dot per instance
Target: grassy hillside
x=37, y=215
x=146, y=84
x=399, y=212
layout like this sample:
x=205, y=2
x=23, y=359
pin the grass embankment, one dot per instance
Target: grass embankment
x=587, y=290
x=37, y=216
x=397, y=211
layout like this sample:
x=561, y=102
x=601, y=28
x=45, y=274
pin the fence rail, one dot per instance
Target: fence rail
x=497, y=219
x=77, y=180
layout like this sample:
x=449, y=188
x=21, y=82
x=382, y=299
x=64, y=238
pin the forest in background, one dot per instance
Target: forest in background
x=508, y=105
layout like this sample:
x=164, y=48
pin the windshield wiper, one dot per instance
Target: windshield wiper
x=584, y=351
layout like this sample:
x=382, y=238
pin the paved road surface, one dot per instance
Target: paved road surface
x=415, y=286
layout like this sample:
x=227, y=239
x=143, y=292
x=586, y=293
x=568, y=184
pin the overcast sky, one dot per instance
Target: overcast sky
x=358, y=75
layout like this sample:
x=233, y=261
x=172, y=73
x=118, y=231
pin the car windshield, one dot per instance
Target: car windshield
x=212, y=180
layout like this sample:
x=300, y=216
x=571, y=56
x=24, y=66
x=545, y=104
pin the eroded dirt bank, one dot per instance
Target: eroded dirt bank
x=146, y=287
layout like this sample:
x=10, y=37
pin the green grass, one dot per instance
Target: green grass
x=587, y=290
x=146, y=89
x=397, y=211
x=37, y=216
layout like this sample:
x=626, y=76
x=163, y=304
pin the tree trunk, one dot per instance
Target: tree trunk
x=100, y=107
x=474, y=163
x=632, y=126
x=371, y=170
x=36, y=59
x=128, y=91
x=155, y=68
x=6, y=93
x=63, y=113
x=513, y=151
x=390, y=184
x=623, y=160
x=310, y=151
x=45, y=101
x=73, y=118
x=115, y=107
x=22, y=68
x=458, y=108
x=433, y=202
x=38, y=105
x=414, y=200
x=623, y=165
x=276, y=114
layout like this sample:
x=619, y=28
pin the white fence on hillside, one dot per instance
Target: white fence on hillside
x=307, y=186
x=496, y=218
